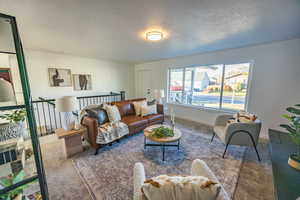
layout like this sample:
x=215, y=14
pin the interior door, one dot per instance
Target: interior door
x=144, y=84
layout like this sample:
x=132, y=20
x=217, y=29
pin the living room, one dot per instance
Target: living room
x=101, y=98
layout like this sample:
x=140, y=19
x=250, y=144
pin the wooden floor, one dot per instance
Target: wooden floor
x=255, y=180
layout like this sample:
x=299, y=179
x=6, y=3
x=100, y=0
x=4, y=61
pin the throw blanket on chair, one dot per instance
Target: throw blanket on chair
x=180, y=188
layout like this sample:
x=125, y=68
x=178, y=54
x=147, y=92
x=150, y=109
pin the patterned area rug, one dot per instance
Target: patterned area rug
x=109, y=175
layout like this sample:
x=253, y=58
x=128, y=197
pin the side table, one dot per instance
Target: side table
x=71, y=140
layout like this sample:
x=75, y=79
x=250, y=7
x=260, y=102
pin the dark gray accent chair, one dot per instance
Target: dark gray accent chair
x=237, y=133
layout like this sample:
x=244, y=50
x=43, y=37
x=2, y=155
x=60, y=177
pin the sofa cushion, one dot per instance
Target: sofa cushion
x=133, y=120
x=125, y=108
x=135, y=123
x=154, y=117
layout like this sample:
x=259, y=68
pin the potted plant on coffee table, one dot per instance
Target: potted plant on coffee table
x=16, y=126
x=294, y=131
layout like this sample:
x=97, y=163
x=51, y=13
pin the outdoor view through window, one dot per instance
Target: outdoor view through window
x=214, y=86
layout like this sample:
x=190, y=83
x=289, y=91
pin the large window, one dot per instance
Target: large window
x=212, y=86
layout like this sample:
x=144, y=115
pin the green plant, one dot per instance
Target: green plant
x=162, y=132
x=15, y=116
x=294, y=126
x=10, y=180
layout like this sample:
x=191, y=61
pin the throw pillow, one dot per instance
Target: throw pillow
x=180, y=187
x=148, y=110
x=137, y=106
x=113, y=113
x=245, y=117
x=98, y=113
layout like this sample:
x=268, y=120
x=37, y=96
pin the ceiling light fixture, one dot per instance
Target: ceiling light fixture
x=154, y=35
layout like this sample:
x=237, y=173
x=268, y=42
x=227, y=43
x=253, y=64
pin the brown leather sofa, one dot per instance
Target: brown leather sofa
x=135, y=123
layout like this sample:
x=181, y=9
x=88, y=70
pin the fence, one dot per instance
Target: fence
x=48, y=119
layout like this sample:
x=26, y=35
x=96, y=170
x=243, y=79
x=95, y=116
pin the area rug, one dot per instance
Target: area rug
x=109, y=175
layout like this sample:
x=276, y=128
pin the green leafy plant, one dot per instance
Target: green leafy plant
x=10, y=180
x=162, y=132
x=294, y=126
x=15, y=116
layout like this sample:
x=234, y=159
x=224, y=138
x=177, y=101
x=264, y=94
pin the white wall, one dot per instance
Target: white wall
x=107, y=76
x=275, y=82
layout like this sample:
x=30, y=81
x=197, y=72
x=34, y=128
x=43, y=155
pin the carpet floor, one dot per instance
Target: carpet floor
x=108, y=175
x=64, y=182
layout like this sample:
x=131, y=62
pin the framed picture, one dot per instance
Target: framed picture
x=60, y=77
x=82, y=82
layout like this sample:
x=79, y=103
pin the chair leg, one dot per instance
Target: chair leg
x=96, y=151
x=212, y=138
x=252, y=140
x=225, y=149
x=258, y=157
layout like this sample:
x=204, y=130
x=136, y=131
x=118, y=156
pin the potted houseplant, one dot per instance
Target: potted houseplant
x=294, y=131
x=15, y=194
x=16, y=126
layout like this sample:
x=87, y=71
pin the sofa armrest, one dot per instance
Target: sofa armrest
x=138, y=180
x=160, y=109
x=92, y=129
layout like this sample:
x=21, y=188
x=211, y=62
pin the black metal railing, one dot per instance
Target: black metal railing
x=98, y=99
x=48, y=119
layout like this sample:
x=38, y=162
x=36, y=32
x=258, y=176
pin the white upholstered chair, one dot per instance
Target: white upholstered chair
x=237, y=133
x=199, y=168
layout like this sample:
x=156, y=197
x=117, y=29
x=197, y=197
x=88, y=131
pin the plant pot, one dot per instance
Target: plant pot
x=294, y=161
x=11, y=130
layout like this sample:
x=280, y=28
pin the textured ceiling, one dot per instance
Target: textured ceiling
x=113, y=29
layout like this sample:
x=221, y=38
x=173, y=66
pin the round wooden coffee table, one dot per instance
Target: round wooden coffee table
x=161, y=142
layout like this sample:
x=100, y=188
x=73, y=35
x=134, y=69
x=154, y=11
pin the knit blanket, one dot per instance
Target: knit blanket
x=109, y=132
x=180, y=187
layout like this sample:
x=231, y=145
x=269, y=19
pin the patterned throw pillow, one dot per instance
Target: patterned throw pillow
x=245, y=117
x=137, y=106
x=113, y=113
x=148, y=110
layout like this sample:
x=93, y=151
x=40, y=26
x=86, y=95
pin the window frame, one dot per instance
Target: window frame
x=220, y=108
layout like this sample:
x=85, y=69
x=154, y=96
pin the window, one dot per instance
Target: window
x=213, y=86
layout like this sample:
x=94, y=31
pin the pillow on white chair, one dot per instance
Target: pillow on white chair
x=113, y=113
x=180, y=187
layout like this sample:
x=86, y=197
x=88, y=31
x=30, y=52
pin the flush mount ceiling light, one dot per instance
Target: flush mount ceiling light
x=154, y=35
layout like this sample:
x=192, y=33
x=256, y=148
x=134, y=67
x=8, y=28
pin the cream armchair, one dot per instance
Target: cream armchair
x=244, y=134
x=199, y=168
